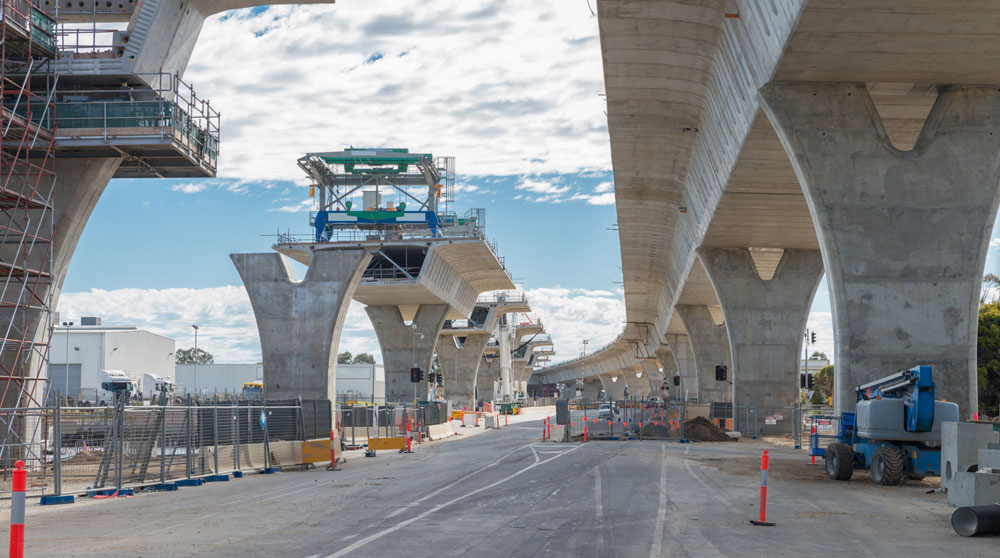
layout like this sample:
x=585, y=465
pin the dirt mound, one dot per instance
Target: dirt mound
x=700, y=429
x=655, y=431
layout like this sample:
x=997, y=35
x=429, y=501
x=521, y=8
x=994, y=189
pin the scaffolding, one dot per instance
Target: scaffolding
x=27, y=180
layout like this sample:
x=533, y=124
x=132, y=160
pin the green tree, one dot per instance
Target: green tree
x=822, y=386
x=344, y=357
x=189, y=356
x=817, y=355
x=363, y=358
x=988, y=357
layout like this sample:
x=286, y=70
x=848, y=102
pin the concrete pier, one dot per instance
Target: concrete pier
x=592, y=389
x=405, y=346
x=300, y=322
x=637, y=387
x=614, y=385
x=460, y=366
x=486, y=377
x=904, y=234
x=684, y=365
x=710, y=345
x=765, y=321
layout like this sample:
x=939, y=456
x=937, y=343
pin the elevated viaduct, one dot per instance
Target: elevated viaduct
x=757, y=145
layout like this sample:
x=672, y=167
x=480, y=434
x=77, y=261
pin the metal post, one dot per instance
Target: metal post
x=122, y=395
x=163, y=438
x=236, y=425
x=57, y=448
x=187, y=427
x=267, y=448
x=215, y=427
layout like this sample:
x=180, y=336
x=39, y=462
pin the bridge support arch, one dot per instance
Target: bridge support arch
x=904, y=234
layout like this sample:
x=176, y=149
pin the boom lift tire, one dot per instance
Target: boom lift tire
x=839, y=462
x=887, y=466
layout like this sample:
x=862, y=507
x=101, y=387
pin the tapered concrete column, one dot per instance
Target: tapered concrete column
x=460, y=366
x=680, y=347
x=405, y=346
x=615, y=390
x=637, y=387
x=654, y=377
x=489, y=373
x=710, y=345
x=592, y=389
x=903, y=234
x=765, y=321
x=300, y=322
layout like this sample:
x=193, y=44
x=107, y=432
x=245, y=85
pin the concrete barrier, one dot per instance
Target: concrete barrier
x=470, y=419
x=492, y=420
x=439, y=431
x=960, y=445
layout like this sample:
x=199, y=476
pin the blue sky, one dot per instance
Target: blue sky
x=511, y=89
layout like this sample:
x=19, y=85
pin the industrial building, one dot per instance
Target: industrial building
x=78, y=353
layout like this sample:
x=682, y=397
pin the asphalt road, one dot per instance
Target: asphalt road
x=503, y=493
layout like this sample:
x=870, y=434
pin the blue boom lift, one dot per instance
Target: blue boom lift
x=895, y=430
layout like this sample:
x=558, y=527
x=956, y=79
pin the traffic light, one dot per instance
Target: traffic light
x=720, y=372
x=809, y=381
x=416, y=374
x=677, y=380
x=802, y=381
x=812, y=338
x=438, y=379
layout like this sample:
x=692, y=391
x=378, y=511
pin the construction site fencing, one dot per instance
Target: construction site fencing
x=76, y=449
x=357, y=423
x=635, y=420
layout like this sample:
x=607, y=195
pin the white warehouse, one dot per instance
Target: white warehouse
x=92, y=348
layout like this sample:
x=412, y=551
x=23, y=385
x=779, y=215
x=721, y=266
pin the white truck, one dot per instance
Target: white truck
x=112, y=381
x=153, y=385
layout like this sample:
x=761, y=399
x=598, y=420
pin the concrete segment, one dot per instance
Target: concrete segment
x=904, y=234
x=591, y=389
x=614, y=386
x=654, y=377
x=460, y=366
x=765, y=321
x=405, y=346
x=684, y=363
x=710, y=346
x=300, y=322
x=637, y=387
x=486, y=378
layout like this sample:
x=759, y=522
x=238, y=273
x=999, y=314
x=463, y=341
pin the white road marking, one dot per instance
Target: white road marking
x=398, y=526
x=598, y=506
x=447, y=486
x=661, y=514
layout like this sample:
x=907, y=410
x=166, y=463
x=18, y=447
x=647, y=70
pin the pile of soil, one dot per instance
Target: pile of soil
x=700, y=429
x=85, y=457
x=655, y=431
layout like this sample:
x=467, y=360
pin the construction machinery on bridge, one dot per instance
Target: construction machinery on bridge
x=894, y=431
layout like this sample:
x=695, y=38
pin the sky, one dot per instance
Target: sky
x=512, y=89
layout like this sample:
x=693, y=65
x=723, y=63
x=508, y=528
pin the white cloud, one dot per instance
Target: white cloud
x=995, y=243
x=191, y=188
x=604, y=187
x=541, y=187
x=607, y=198
x=227, y=328
x=822, y=324
x=572, y=315
x=304, y=205
x=513, y=86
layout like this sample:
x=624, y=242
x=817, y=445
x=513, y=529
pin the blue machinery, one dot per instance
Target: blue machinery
x=423, y=185
x=895, y=430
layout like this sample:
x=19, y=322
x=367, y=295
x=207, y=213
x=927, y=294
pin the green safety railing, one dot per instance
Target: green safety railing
x=155, y=115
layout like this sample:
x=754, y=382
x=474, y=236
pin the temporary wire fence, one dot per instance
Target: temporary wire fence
x=76, y=449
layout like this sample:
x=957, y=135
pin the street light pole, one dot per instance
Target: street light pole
x=195, y=359
x=67, y=325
